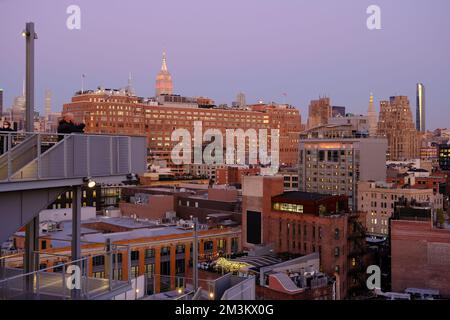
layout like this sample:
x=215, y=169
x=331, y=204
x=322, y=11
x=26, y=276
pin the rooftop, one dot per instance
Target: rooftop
x=100, y=228
x=300, y=195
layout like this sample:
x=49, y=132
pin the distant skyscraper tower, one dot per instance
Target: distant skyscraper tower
x=164, y=83
x=48, y=103
x=420, y=108
x=129, y=88
x=372, y=117
x=17, y=114
x=319, y=112
x=240, y=99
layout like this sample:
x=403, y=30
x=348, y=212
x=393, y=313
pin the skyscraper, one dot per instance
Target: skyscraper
x=372, y=117
x=164, y=83
x=240, y=100
x=319, y=112
x=420, y=108
x=48, y=103
x=397, y=125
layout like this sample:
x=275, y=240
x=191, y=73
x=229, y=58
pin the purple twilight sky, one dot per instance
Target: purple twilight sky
x=216, y=48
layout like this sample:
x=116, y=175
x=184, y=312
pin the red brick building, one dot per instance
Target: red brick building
x=420, y=256
x=233, y=175
x=303, y=223
x=116, y=112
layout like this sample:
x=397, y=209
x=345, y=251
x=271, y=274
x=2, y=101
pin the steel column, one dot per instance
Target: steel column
x=32, y=228
x=195, y=255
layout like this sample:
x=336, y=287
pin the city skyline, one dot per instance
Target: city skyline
x=224, y=151
x=230, y=57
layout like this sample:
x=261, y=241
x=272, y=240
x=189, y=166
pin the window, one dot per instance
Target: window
x=179, y=266
x=98, y=261
x=149, y=253
x=234, y=245
x=322, y=209
x=165, y=251
x=134, y=271
x=180, y=248
x=289, y=207
x=149, y=268
x=135, y=255
x=321, y=155
x=336, y=234
x=117, y=274
x=208, y=245
x=336, y=252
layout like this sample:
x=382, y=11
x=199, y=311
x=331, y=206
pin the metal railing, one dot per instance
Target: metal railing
x=60, y=281
x=166, y=287
x=38, y=156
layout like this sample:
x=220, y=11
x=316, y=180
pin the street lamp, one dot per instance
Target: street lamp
x=89, y=182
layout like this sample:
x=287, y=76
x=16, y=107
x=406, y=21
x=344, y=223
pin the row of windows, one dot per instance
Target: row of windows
x=294, y=229
x=165, y=251
x=289, y=207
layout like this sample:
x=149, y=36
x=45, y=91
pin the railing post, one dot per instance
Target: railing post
x=109, y=263
x=64, y=282
x=129, y=264
x=111, y=162
x=76, y=232
x=39, y=142
x=129, y=154
x=38, y=284
x=88, y=155
x=65, y=156
x=87, y=276
x=9, y=157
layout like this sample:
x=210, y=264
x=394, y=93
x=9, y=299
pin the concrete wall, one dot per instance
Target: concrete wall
x=372, y=159
x=65, y=214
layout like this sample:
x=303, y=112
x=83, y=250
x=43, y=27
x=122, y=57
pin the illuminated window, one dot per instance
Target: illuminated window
x=289, y=207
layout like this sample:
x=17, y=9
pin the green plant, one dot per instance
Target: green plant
x=440, y=216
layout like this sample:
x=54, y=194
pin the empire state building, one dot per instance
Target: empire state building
x=164, y=83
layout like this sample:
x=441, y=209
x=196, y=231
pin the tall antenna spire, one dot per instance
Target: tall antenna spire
x=129, y=87
x=164, y=64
